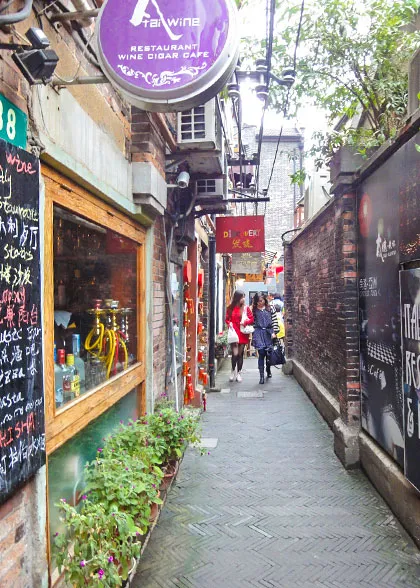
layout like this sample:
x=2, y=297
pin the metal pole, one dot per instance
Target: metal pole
x=79, y=14
x=79, y=81
x=212, y=309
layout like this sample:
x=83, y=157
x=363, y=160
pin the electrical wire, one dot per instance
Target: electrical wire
x=286, y=102
x=47, y=7
x=64, y=80
x=269, y=44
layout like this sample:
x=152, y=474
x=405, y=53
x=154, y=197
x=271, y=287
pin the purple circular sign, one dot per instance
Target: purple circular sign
x=166, y=54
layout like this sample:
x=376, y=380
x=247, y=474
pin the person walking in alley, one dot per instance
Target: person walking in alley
x=240, y=317
x=266, y=329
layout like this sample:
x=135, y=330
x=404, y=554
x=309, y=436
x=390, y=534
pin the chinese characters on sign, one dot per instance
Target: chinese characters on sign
x=22, y=436
x=240, y=234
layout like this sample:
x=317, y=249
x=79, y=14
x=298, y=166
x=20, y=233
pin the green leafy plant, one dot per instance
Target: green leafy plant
x=352, y=62
x=163, y=401
x=134, y=439
x=103, y=545
x=221, y=339
x=102, y=532
x=124, y=483
x=176, y=429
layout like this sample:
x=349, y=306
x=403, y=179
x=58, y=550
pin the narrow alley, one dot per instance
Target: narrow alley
x=272, y=505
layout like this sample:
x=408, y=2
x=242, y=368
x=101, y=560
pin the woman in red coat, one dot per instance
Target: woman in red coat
x=238, y=314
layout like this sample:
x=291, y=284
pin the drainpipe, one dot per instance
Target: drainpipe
x=212, y=309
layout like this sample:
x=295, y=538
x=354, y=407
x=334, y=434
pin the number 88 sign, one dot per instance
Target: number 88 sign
x=13, y=123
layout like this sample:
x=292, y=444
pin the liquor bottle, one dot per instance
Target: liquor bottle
x=59, y=238
x=61, y=294
x=71, y=380
x=59, y=371
x=78, y=362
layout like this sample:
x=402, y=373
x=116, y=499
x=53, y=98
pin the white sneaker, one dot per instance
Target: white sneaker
x=232, y=376
x=239, y=378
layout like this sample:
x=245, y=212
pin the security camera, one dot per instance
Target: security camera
x=183, y=180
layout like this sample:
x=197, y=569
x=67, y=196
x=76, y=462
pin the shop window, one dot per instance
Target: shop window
x=94, y=308
x=95, y=282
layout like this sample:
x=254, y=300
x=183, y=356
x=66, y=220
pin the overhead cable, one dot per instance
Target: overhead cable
x=269, y=45
x=286, y=103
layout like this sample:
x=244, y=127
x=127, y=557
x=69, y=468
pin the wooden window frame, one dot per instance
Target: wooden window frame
x=65, y=422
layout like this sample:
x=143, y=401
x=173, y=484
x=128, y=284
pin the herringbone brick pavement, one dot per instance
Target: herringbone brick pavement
x=271, y=506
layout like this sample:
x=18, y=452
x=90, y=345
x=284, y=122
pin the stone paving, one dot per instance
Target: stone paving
x=272, y=506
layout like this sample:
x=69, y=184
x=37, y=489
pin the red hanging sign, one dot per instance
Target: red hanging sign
x=239, y=234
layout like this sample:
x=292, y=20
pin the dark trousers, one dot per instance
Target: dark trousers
x=262, y=358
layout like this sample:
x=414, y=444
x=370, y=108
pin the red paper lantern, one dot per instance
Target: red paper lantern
x=187, y=272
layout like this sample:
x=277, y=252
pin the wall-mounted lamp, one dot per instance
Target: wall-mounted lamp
x=183, y=177
x=262, y=80
x=183, y=180
x=233, y=91
x=36, y=62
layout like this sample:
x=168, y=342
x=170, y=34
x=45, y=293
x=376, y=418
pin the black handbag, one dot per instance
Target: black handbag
x=275, y=354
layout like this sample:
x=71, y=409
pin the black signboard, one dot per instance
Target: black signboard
x=410, y=313
x=22, y=430
x=379, y=303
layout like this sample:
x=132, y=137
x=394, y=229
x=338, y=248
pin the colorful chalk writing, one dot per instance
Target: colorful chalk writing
x=22, y=427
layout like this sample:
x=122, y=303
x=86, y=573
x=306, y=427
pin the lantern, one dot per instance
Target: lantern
x=187, y=273
x=200, y=282
x=190, y=305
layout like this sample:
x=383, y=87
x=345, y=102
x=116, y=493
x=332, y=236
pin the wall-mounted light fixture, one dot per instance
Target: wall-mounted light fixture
x=261, y=78
x=35, y=61
x=182, y=178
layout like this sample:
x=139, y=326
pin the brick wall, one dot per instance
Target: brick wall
x=279, y=212
x=321, y=303
x=22, y=540
x=148, y=142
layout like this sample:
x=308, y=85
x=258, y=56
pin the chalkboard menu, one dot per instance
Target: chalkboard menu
x=22, y=430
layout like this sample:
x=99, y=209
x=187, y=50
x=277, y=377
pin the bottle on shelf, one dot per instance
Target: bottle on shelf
x=59, y=237
x=61, y=294
x=71, y=380
x=59, y=371
x=78, y=362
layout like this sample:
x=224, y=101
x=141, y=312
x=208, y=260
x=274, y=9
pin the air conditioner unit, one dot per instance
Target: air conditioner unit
x=199, y=131
x=197, y=127
x=211, y=188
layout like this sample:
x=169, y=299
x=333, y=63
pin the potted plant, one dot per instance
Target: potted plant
x=104, y=531
x=124, y=483
x=221, y=345
x=174, y=430
x=103, y=545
